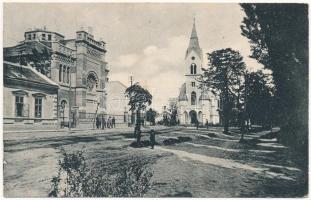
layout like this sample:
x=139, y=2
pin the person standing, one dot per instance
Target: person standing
x=97, y=122
x=206, y=124
x=113, y=122
x=152, y=138
x=197, y=123
x=110, y=122
x=103, y=122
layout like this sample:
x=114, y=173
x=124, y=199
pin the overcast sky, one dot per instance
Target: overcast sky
x=146, y=40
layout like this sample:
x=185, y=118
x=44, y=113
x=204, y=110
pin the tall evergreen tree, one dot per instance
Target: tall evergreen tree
x=278, y=34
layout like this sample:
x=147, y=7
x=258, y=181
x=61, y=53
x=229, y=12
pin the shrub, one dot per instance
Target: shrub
x=172, y=141
x=128, y=177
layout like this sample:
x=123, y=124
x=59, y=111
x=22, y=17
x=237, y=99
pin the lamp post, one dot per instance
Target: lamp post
x=69, y=96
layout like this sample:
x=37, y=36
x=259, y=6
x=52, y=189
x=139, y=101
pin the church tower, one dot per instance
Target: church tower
x=195, y=105
x=192, y=68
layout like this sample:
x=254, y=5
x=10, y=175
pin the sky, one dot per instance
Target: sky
x=144, y=40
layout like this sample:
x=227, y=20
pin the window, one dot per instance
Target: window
x=33, y=36
x=38, y=107
x=19, y=104
x=192, y=58
x=68, y=74
x=218, y=103
x=64, y=74
x=193, y=68
x=49, y=37
x=193, y=98
x=92, y=82
x=29, y=36
x=193, y=84
x=43, y=36
x=60, y=73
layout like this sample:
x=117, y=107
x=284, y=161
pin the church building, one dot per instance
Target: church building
x=194, y=104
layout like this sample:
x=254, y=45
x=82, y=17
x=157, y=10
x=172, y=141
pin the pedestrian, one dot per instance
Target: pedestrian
x=197, y=123
x=103, y=122
x=152, y=138
x=114, y=122
x=97, y=122
x=108, y=122
x=206, y=124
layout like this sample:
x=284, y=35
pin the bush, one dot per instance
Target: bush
x=212, y=135
x=121, y=178
x=143, y=143
x=172, y=141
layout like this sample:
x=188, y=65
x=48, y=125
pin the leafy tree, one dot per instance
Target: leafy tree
x=139, y=99
x=278, y=34
x=39, y=59
x=259, y=97
x=151, y=115
x=224, y=76
x=173, y=120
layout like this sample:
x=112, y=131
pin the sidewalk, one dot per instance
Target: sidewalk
x=35, y=134
x=122, y=127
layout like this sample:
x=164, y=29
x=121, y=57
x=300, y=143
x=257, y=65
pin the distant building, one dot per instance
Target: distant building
x=194, y=104
x=77, y=65
x=117, y=102
x=30, y=98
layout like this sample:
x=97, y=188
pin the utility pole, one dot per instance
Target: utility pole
x=70, y=89
x=132, y=114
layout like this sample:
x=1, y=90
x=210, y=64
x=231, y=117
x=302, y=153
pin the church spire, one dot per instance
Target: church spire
x=194, y=42
x=194, y=31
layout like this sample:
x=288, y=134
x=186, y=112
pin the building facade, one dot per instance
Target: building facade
x=77, y=65
x=117, y=102
x=193, y=103
x=30, y=98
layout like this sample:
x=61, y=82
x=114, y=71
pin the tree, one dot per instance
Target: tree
x=40, y=60
x=259, y=94
x=151, y=115
x=224, y=76
x=139, y=99
x=278, y=34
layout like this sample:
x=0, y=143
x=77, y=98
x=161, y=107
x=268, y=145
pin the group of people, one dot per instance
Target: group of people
x=102, y=123
x=206, y=124
x=137, y=134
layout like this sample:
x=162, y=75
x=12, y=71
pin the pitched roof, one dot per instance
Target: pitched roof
x=25, y=73
x=182, y=94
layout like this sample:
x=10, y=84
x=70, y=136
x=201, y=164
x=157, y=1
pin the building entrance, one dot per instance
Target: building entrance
x=193, y=117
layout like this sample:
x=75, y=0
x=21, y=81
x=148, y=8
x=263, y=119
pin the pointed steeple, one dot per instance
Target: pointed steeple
x=194, y=31
x=194, y=42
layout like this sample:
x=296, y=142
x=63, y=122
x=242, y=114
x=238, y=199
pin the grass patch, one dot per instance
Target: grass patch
x=127, y=177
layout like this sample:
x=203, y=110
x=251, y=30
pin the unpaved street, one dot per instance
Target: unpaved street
x=207, y=164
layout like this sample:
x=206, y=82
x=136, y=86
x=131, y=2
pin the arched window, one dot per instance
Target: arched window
x=68, y=74
x=60, y=73
x=193, y=98
x=92, y=82
x=193, y=68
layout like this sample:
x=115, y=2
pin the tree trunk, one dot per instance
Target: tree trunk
x=138, y=125
x=226, y=113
